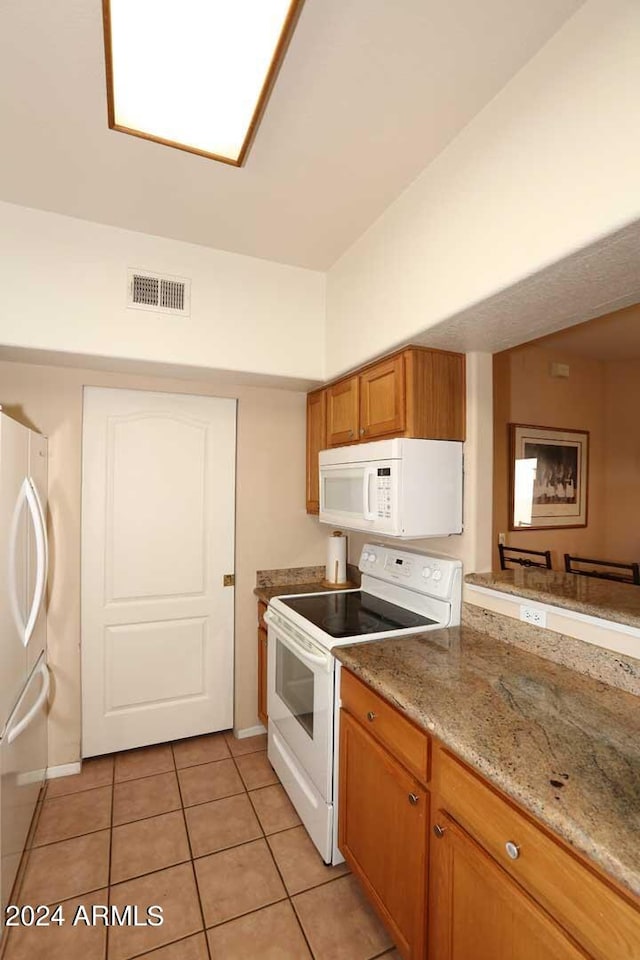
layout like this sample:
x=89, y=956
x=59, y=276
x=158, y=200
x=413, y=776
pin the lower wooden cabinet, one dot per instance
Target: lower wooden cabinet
x=262, y=664
x=383, y=834
x=477, y=911
x=500, y=885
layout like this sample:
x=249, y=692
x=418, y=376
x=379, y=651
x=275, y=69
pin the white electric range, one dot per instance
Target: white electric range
x=403, y=592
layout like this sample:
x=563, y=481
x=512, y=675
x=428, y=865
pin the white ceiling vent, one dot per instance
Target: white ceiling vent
x=159, y=293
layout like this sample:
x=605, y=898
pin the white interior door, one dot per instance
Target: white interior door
x=158, y=510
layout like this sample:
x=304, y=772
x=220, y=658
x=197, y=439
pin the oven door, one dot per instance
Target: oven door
x=300, y=698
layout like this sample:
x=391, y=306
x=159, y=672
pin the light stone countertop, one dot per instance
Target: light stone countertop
x=606, y=599
x=527, y=725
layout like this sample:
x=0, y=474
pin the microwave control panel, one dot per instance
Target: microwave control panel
x=383, y=493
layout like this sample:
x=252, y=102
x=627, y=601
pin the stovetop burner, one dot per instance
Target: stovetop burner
x=354, y=614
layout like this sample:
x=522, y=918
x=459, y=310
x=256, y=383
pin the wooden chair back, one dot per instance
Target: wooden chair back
x=609, y=569
x=524, y=558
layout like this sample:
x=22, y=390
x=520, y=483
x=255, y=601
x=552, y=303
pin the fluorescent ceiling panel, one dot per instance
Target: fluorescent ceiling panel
x=194, y=74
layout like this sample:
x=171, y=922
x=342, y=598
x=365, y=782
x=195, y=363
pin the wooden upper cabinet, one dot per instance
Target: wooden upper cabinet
x=436, y=394
x=476, y=910
x=342, y=412
x=415, y=392
x=316, y=441
x=382, y=399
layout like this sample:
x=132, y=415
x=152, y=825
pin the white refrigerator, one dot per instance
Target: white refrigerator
x=24, y=678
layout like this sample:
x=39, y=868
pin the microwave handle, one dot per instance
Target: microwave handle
x=368, y=513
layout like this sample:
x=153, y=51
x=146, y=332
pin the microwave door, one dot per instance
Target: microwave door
x=343, y=493
x=360, y=496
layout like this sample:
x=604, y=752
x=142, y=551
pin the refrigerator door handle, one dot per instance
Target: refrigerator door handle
x=42, y=556
x=14, y=731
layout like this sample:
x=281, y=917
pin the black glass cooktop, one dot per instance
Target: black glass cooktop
x=354, y=614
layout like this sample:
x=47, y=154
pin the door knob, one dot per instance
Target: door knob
x=438, y=830
x=371, y=716
x=513, y=850
x=413, y=799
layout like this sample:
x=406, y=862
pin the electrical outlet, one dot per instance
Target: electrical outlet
x=533, y=615
x=501, y=539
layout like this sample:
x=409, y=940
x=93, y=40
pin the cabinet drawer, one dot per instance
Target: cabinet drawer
x=262, y=609
x=601, y=920
x=406, y=742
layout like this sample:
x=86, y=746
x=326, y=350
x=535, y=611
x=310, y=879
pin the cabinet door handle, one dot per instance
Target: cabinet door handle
x=438, y=830
x=513, y=850
x=413, y=799
x=371, y=716
x=350, y=433
x=362, y=431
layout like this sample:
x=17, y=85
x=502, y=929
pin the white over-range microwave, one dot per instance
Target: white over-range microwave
x=396, y=488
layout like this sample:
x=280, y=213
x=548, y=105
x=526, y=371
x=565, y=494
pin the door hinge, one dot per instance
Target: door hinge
x=229, y=580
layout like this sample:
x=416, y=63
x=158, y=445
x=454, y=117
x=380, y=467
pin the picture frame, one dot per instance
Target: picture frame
x=548, y=477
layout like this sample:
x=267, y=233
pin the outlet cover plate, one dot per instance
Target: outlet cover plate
x=533, y=615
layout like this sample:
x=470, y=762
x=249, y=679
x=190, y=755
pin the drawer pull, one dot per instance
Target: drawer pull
x=413, y=799
x=438, y=830
x=371, y=716
x=513, y=850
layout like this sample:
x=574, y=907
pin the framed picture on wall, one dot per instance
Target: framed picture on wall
x=548, y=477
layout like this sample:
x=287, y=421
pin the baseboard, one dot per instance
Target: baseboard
x=249, y=732
x=64, y=770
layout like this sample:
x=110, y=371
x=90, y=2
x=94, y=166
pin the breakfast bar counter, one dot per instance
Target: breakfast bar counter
x=603, y=599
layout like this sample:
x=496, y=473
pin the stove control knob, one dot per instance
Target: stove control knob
x=437, y=574
x=372, y=558
x=426, y=572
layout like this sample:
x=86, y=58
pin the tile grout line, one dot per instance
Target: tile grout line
x=192, y=861
x=282, y=880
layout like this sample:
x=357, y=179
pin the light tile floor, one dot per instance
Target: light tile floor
x=203, y=829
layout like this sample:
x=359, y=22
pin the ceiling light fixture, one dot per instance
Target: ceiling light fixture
x=194, y=74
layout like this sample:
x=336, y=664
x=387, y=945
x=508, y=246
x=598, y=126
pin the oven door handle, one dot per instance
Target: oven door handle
x=303, y=649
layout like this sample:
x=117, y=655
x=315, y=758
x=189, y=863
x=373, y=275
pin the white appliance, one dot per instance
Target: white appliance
x=403, y=592
x=24, y=678
x=395, y=488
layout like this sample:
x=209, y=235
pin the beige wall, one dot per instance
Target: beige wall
x=64, y=288
x=272, y=528
x=600, y=396
x=622, y=465
x=548, y=167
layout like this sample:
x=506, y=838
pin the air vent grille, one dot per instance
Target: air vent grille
x=161, y=294
x=145, y=290
x=172, y=295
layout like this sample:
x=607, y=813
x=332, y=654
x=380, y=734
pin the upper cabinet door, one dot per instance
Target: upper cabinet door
x=382, y=399
x=316, y=441
x=342, y=412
